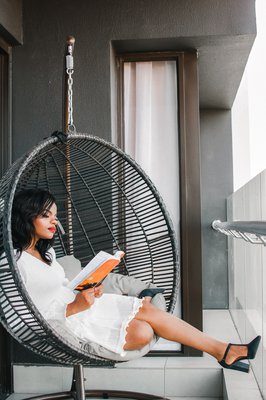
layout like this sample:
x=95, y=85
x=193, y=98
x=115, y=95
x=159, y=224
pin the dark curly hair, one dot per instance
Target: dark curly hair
x=28, y=204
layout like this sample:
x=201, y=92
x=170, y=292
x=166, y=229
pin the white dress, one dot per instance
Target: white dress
x=105, y=322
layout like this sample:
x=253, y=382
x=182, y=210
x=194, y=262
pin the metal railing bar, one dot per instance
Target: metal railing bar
x=251, y=231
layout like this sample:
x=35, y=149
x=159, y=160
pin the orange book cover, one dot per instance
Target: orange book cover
x=96, y=270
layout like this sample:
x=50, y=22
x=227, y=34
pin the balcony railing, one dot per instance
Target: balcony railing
x=251, y=231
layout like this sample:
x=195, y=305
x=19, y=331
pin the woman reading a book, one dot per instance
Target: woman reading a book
x=118, y=323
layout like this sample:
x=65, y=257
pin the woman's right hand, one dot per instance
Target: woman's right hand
x=84, y=300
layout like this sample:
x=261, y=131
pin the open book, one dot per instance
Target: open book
x=96, y=270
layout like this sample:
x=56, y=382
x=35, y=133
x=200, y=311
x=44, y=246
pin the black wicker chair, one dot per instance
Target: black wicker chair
x=105, y=202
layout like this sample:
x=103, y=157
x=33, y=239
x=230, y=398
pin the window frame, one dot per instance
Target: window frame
x=5, y=106
x=5, y=159
x=190, y=199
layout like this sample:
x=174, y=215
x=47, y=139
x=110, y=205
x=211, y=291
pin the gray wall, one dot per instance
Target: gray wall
x=222, y=31
x=11, y=20
x=216, y=186
x=211, y=26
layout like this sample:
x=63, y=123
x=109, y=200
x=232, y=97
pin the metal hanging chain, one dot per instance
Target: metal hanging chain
x=70, y=70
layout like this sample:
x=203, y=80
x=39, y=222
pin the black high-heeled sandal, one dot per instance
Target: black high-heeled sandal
x=252, y=348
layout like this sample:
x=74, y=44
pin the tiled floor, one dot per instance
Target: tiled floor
x=171, y=377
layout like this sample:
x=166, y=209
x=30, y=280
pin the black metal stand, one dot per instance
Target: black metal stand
x=78, y=383
x=78, y=391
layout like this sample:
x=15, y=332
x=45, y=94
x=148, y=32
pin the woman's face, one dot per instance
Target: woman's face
x=45, y=224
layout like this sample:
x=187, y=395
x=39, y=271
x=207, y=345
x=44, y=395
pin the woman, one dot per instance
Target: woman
x=119, y=323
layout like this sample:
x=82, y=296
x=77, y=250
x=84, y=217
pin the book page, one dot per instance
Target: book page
x=96, y=269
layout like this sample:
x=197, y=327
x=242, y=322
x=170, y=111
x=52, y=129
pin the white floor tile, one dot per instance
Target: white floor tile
x=193, y=382
x=195, y=398
x=241, y=386
x=41, y=379
x=138, y=380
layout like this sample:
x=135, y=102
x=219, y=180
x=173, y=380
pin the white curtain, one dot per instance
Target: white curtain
x=151, y=131
x=151, y=126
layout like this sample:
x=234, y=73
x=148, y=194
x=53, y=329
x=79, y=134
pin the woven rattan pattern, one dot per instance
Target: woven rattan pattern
x=105, y=202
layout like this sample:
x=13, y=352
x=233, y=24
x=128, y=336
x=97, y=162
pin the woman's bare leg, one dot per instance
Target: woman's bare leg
x=172, y=328
x=139, y=334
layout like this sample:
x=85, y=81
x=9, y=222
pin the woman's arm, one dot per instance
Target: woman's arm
x=83, y=300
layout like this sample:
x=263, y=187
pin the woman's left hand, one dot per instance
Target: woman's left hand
x=98, y=291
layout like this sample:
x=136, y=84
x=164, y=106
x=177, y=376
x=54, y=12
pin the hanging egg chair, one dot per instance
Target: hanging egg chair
x=105, y=202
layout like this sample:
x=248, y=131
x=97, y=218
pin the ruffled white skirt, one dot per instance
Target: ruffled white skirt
x=106, y=321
